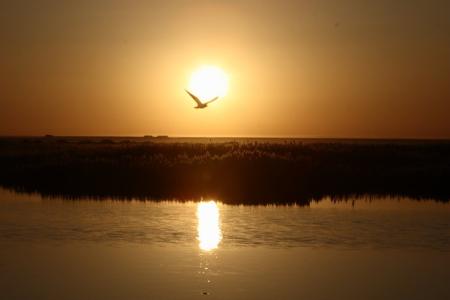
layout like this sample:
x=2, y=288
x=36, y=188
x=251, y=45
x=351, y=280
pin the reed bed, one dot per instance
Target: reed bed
x=232, y=172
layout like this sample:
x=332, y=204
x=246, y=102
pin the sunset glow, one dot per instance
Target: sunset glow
x=208, y=82
x=212, y=149
x=209, y=233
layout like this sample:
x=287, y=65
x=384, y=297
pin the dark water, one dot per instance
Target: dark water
x=377, y=248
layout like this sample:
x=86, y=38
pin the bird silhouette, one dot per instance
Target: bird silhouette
x=200, y=104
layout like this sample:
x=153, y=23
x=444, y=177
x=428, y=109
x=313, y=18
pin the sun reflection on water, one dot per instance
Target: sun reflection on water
x=209, y=233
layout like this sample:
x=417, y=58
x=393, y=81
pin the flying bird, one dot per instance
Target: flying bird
x=200, y=104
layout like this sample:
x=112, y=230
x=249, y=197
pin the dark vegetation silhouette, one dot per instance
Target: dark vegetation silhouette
x=232, y=172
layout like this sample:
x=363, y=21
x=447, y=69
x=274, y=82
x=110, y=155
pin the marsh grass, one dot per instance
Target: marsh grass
x=232, y=172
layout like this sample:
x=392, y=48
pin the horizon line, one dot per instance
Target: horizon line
x=143, y=136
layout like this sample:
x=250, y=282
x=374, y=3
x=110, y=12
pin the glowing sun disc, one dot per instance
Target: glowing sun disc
x=208, y=82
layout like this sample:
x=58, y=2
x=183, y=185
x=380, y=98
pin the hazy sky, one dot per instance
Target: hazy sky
x=297, y=68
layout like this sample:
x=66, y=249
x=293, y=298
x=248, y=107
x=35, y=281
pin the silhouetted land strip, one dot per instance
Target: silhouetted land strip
x=232, y=172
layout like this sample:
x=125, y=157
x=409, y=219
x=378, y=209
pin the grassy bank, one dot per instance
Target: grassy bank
x=232, y=172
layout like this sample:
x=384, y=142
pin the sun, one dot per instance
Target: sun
x=208, y=82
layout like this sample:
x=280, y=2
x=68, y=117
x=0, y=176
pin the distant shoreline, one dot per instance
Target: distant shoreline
x=201, y=139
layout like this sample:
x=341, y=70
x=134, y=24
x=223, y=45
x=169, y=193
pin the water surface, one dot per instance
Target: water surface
x=363, y=248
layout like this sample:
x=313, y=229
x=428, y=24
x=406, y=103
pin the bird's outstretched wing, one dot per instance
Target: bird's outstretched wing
x=212, y=100
x=194, y=97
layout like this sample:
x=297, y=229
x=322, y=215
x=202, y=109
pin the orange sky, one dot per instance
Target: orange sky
x=297, y=68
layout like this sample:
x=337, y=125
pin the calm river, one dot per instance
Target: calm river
x=363, y=248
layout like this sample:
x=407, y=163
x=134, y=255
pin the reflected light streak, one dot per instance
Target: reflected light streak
x=209, y=233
